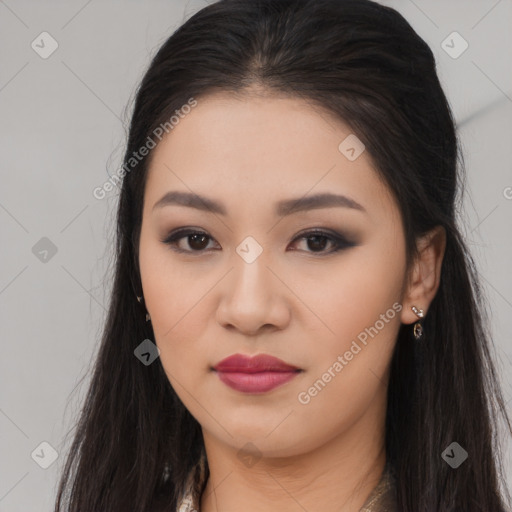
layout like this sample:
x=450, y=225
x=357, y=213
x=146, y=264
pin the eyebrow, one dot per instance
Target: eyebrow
x=283, y=208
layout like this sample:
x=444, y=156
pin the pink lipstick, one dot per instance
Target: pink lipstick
x=256, y=374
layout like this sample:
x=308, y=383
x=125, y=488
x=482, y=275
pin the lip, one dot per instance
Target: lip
x=257, y=374
x=253, y=364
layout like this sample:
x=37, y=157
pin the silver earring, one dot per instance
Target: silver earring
x=418, y=328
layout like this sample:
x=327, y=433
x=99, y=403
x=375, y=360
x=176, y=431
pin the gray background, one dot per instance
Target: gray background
x=62, y=133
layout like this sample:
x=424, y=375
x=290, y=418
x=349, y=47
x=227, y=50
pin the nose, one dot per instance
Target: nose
x=253, y=299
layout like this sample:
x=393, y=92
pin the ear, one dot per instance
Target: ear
x=425, y=274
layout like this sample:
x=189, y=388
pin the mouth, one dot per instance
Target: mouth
x=257, y=374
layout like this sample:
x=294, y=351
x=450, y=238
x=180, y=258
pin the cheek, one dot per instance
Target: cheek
x=160, y=283
x=353, y=293
x=349, y=374
x=162, y=289
x=179, y=330
x=167, y=290
x=178, y=305
x=361, y=307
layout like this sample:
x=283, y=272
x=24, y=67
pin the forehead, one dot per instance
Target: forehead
x=253, y=150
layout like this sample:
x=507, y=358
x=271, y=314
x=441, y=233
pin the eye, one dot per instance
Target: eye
x=316, y=241
x=196, y=240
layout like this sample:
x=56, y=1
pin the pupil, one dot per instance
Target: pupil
x=315, y=244
x=196, y=237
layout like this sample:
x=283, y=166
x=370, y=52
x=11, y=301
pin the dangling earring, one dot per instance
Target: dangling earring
x=418, y=328
x=148, y=318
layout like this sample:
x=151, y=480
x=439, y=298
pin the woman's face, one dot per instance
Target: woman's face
x=259, y=282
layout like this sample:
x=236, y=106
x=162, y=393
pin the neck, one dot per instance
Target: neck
x=337, y=476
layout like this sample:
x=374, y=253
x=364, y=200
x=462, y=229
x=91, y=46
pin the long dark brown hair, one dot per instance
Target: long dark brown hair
x=135, y=442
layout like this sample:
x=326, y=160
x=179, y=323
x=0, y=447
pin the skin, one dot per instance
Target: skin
x=297, y=301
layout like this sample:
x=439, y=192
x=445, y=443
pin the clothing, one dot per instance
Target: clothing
x=381, y=499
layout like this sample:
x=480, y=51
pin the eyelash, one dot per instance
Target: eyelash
x=339, y=241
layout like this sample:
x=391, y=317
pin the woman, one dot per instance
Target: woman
x=295, y=321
